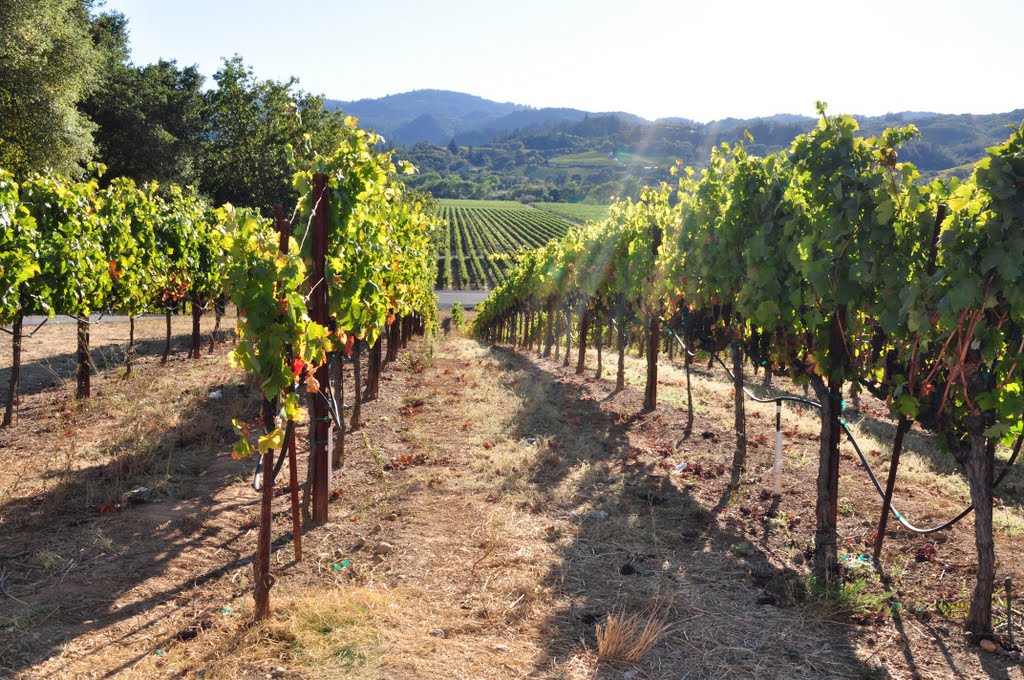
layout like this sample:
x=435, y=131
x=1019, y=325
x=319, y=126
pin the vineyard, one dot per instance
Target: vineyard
x=578, y=213
x=482, y=237
x=578, y=479
x=312, y=291
x=832, y=265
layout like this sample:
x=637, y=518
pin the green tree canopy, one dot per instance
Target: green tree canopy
x=48, y=63
x=150, y=122
x=250, y=124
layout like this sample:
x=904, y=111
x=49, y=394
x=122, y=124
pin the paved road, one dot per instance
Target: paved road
x=467, y=298
x=32, y=321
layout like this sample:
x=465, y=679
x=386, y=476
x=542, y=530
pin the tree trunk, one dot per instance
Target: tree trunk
x=197, y=313
x=620, y=316
x=373, y=372
x=979, y=468
x=167, y=347
x=584, y=331
x=739, y=459
x=357, y=378
x=12, y=392
x=599, y=337
x=84, y=361
x=651, y=390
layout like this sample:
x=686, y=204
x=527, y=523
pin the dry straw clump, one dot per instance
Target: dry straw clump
x=629, y=638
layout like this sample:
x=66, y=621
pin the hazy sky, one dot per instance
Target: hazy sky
x=699, y=60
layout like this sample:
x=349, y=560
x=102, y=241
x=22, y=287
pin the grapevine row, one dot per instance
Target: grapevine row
x=832, y=263
x=70, y=247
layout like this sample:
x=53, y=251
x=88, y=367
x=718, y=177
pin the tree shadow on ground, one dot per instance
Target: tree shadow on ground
x=101, y=546
x=638, y=541
x=42, y=374
x=922, y=443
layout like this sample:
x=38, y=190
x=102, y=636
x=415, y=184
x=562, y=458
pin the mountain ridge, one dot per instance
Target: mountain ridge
x=473, y=120
x=470, y=147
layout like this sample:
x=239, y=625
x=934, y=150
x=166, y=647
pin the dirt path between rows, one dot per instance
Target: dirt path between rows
x=492, y=511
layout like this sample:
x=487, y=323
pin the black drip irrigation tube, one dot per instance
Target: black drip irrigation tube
x=864, y=461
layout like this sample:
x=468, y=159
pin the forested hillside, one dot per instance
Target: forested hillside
x=592, y=159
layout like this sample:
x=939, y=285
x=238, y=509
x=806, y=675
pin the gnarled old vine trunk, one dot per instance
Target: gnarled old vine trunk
x=568, y=337
x=549, y=332
x=651, y=389
x=977, y=461
x=687, y=360
x=197, y=314
x=584, y=331
x=620, y=341
x=12, y=392
x=739, y=459
x=84, y=361
x=373, y=372
x=167, y=345
x=357, y=378
x=826, y=553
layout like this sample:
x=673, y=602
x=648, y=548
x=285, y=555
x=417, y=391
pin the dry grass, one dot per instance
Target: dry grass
x=537, y=529
x=335, y=629
x=629, y=637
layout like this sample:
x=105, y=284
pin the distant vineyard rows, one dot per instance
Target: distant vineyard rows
x=481, y=237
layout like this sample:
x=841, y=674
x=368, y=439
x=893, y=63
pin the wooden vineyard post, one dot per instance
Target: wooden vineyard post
x=318, y=312
x=284, y=228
